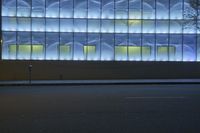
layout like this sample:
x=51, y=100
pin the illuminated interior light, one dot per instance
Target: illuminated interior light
x=107, y=59
x=55, y=30
x=95, y=59
x=110, y=31
x=110, y=17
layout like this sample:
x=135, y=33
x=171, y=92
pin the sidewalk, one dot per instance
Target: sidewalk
x=99, y=82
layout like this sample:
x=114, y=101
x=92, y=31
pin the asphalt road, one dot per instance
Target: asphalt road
x=100, y=109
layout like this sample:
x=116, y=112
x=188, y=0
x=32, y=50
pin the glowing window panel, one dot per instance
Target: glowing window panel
x=164, y=51
x=24, y=51
x=65, y=51
x=134, y=52
x=120, y=52
x=12, y=51
x=89, y=50
x=37, y=51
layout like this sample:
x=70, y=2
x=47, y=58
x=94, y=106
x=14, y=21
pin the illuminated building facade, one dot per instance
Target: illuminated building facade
x=100, y=30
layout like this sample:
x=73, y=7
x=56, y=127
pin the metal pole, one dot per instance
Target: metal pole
x=1, y=38
x=30, y=73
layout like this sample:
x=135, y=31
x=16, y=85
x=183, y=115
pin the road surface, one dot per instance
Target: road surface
x=100, y=109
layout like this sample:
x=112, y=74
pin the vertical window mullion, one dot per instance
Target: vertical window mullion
x=45, y=33
x=31, y=31
x=17, y=30
x=155, y=34
x=128, y=31
x=86, y=58
x=196, y=27
x=114, y=27
x=168, y=34
x=101, y=6
x=58, y=47
x=183, y=7
x=73, y=34
x=142, y=2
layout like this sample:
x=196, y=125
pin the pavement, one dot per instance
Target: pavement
x=98, y=82
x=121, y=108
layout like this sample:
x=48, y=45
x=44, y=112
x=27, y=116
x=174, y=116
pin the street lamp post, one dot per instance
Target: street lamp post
x=30, y=73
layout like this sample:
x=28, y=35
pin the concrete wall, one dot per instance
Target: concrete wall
x=18, y=70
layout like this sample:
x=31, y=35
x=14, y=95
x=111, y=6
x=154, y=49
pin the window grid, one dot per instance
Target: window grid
x=114, y=32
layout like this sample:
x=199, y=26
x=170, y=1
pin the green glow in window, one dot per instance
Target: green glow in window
x=89, y=49
x=24, y=49
x=37, y=49
x=134, y=51
x=12, y=49
x=120, y=50
x=164, y=50
x=65, y=50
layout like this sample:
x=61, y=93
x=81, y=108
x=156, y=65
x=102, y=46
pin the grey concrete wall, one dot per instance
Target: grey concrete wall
x=55, y=70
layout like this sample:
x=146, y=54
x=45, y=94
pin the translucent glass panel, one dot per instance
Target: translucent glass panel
x=189, y=48
x=9, y=49
x=38, y=46
x=79, y=42
x=162, y=48
x=93, y=47
x=66, y=46
x=107, y=47
x=94, y=8
x=38, y=24
x=135, y=9
x=23, y=24
x=94, y=26
x=52, y=25
x=176, y=26
x=188, y=9
x=198, y=26
x=162, y=9
x=38, y=8
x=148, y=47
x=162, y=26
x=9, y=7
x=148, y=26
x=176, y=42
x=198, y=47
x=135, y=26
x=80, y=8
x=9, y=24
x=107, y=9
x=121, y=49
x=66, y=8
x=80, y=25
x=189, y=26
x=52, y=8
x=66, y=25
x=24, y=8
x=134, y=48
x=24, y=45
x=52, y=43
x=149, y=9
x=107, y=26
x=121, y=9
x=121, y=26
x=176, y=9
